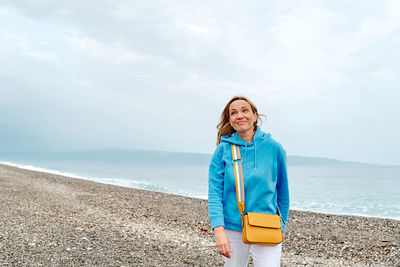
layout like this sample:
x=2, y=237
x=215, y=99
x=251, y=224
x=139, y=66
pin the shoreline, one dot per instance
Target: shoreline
x=70, y=175
x=52, y=219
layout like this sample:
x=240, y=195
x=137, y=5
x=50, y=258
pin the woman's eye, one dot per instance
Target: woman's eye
x=233, y=113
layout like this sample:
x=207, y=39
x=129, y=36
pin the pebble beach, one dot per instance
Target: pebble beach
x=52, y=220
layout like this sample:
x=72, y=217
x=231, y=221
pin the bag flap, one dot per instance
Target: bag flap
x=264, y=220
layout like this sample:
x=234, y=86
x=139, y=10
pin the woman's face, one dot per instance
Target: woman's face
x=241, y=116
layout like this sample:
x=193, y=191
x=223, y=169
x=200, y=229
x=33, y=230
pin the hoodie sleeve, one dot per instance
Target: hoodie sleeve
x=216, y=188
x=283, y=188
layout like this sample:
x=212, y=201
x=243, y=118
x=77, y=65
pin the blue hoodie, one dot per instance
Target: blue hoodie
x=265, y=179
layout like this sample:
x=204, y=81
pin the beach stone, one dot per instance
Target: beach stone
x=51, y=220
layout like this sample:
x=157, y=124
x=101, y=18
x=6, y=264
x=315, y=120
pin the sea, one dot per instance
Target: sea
x=315, y=184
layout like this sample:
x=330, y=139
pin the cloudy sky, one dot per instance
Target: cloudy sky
x=156, y=74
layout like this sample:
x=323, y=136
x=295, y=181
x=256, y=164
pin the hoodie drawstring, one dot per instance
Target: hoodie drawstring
x=255, y=156
x=245, y=153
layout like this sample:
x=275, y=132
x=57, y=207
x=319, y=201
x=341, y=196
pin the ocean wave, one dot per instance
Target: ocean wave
x=125, y=182
x=374, y=211
x=366, y=209
x=39, y=169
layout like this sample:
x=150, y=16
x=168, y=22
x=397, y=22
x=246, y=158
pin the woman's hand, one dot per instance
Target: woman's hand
x=222, y=242
x=283, y=236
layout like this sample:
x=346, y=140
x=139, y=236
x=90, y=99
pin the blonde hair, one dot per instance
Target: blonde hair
x=224, y=127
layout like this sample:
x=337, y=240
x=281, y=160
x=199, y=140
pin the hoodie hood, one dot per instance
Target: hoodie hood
x=237, y=140
x=258, y=137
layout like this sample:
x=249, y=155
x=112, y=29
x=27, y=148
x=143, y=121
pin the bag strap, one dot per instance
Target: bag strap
x=239, y=182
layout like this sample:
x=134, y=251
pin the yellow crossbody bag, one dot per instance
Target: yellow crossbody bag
x=257, y=228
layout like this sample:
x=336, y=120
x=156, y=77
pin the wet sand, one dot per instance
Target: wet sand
x=52, y=220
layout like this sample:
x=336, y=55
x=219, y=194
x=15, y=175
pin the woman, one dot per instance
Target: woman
x=265, y=179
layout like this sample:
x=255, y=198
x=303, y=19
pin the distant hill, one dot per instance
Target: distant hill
x=149, y=156
x=112, y=155
x=301, y=160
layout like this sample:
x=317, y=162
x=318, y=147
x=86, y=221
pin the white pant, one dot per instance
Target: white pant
x=262, y=255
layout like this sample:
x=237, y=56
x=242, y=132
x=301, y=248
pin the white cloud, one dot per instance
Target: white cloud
x=152, y=72
x=200, y=30
x=41, y=55
x=384, y=75
x=114, y=53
